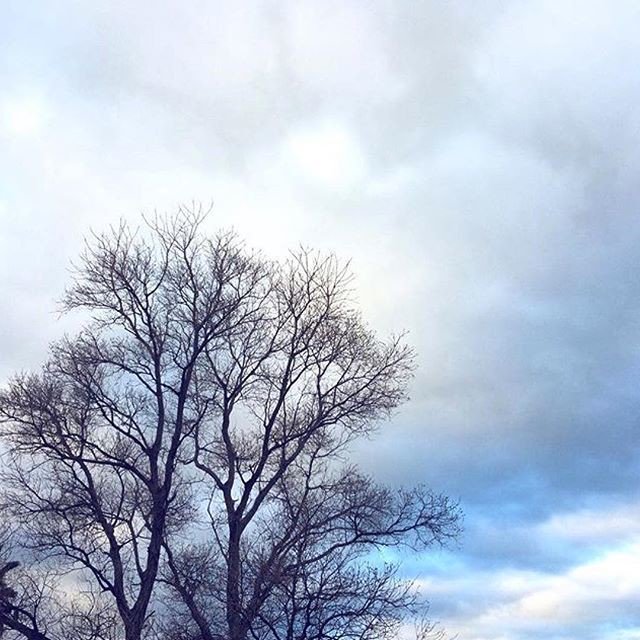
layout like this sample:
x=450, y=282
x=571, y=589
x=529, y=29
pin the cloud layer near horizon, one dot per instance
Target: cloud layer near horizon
x=477, y=161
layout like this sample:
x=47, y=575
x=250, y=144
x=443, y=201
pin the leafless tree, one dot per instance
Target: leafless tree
x=38, y=607
x=7, y=593
x=195, y=434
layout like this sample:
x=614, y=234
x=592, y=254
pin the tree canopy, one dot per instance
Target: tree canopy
x=180, y=467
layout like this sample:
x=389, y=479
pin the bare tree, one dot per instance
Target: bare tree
x=195, y=434
x=23, y=595
x=7, y=593
x=38, y=607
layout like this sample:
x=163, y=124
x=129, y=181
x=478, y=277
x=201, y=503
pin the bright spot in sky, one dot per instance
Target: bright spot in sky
x=328, y=155
x=22, y=116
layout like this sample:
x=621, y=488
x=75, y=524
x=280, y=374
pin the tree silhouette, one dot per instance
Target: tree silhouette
x=185, y=454
x=7, y=594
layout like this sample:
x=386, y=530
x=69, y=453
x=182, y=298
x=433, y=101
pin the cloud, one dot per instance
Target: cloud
x=596, y=586
x=325, y=155
x=583, y=601
x=476, y=161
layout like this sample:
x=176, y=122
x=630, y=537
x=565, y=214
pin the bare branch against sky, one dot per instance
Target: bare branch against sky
x=188, y=446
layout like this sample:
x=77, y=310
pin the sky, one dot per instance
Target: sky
x=478, y=164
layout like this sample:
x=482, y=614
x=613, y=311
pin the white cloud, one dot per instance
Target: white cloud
x=581, y=600
x=595, y=592
x=326, y=155
x=23, y=116
x=517, y=605
x=341, y=50
x=594, y=526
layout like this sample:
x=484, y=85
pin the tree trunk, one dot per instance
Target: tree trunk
x=234, y=617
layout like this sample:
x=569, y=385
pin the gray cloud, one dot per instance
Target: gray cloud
x=476, y=160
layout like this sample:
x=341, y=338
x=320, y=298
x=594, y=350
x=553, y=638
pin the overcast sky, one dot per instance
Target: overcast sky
x=478, y=162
